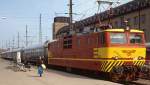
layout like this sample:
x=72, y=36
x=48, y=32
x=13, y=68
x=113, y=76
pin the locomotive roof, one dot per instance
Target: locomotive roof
x=122, y=30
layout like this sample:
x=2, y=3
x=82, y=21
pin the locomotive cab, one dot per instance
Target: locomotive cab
x=122, y=51
x=126, y=44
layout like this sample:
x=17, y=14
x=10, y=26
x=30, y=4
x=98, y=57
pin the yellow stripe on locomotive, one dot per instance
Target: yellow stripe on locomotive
x=117, y=56
x=119, y=52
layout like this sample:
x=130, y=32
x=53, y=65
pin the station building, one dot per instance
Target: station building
x=136, y=12
x=59, y=22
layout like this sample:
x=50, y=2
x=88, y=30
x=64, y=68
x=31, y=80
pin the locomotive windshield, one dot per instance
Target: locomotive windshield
x=126, y=38
x=118, y=38
x=135, y=38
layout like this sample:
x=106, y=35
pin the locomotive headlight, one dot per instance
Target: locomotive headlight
x=135, y=58
x=140, y=58
x=115, y=57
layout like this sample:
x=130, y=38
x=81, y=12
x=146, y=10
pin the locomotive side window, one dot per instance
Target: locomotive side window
x=67, y=43
x=135, y=38
x=118, y=38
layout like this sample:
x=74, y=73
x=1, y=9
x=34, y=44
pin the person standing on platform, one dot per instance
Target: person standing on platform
x=39, y=64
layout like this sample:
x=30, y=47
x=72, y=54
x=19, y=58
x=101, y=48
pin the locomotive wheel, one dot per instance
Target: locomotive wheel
x=114, y=77
x=116, y=74
x=128, y=77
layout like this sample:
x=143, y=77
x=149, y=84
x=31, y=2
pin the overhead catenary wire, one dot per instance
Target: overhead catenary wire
x=84, y=13
x=81, y=4
x=110, y=3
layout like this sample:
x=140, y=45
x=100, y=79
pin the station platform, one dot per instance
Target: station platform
x=50, y=77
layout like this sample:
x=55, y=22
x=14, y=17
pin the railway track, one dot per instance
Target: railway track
x=138, y=82
x=102, y=77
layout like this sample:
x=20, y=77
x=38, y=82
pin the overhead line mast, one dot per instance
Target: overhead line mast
x=18, y=40
x=70, y=15
x=40, y=30
x=26, y=35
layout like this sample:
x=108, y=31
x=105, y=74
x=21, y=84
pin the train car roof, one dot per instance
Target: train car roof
x=12, y=50
x=37, y=45
x=34, y=46
x=122, y=30
x=16, y=50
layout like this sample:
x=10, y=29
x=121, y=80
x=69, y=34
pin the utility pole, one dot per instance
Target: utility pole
x=6, y=44
x=9, y=44
x=40, y=30
x=18, y=40
x=13, y=43
x=70, y=14
x=26, y=35
x=2, y=45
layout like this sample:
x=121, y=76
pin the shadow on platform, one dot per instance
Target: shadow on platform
x=33, y=76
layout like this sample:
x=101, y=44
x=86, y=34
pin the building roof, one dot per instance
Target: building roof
x=129, y=7
x=62, y=19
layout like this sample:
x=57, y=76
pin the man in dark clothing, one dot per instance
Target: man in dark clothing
x=39, y=61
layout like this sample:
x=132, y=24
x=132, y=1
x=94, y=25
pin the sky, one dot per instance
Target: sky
x=16, y=14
